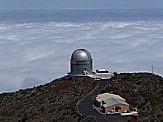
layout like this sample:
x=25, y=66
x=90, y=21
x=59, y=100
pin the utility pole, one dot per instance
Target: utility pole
x=152, y=69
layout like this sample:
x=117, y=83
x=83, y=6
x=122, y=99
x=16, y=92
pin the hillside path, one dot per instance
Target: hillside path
x=85, y=106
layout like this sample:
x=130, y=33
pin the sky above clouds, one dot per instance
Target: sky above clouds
x=79, y=4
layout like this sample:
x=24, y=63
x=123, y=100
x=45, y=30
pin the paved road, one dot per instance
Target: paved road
x=85, y=106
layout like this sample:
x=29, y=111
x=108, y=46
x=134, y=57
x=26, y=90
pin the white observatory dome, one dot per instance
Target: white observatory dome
x=81, y=55
x=80, y=60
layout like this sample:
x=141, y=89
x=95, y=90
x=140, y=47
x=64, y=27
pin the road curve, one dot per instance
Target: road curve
x=85, y=105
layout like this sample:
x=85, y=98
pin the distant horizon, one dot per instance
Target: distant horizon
x=80, y=4
x=82, y=9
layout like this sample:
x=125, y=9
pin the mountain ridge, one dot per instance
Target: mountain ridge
x=56, y=100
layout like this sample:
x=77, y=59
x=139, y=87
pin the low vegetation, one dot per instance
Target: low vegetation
x=56, y=101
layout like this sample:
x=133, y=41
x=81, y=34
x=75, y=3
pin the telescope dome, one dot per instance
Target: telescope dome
x=81, y=61
x=81, y=55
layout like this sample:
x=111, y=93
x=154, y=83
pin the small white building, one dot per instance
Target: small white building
x=104, y=74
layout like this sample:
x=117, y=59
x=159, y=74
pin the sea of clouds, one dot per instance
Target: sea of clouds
x=35, y=53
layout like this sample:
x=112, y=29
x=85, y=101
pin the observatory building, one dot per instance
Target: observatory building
x=80, y=63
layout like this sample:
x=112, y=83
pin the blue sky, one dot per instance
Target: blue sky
x=78, y=4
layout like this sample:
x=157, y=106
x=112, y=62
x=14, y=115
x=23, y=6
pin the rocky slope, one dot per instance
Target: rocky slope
x=143, y=91
x=54, y=101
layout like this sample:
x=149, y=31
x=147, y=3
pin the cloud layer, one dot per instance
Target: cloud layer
x=38, y=52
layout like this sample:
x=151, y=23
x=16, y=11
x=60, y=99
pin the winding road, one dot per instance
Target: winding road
x=85, y=106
